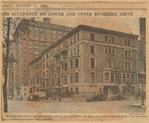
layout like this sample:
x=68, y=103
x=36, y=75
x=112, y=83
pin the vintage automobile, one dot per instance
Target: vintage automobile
x=117, y=97
x=33, y=98
x=97, y=97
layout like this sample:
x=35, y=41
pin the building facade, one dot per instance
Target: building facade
x=142, y=57
x=32, y=43
x=85, y=62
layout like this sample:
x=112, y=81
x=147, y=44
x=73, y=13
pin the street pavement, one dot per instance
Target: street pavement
x=18, y=106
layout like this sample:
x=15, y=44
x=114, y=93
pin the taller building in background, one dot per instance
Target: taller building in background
x=142, y=56
x=42, y=35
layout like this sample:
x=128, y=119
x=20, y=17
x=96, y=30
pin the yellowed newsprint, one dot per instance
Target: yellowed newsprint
x=74, y=61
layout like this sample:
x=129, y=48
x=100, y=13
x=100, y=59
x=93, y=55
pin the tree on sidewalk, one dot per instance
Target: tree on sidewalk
x=9, y=27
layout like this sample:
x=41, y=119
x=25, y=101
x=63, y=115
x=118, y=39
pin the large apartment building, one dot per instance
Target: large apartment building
x=42, y=34
x=87, y=61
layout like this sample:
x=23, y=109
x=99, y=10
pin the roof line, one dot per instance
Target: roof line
x=86, y=28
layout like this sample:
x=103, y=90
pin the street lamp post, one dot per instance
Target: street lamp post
x=60, y=91
x=142, y=93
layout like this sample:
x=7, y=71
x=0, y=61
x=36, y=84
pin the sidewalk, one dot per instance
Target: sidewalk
x=138, y=105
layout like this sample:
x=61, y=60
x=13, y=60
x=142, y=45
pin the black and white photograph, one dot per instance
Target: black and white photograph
x=73, y=61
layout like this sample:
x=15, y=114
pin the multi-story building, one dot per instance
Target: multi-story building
x=30, y=44
x=87, y=61
x=142, y=56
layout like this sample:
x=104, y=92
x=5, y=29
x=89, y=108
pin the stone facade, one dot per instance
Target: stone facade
x=85, y=62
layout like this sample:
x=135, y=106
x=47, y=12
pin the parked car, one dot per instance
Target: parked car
x=33, y=98
x=117, y=97
x=98, y=97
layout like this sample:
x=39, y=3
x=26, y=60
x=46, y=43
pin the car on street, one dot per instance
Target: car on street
x=97, y=97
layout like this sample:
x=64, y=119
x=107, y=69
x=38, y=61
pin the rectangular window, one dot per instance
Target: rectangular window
x=92, y=77
x=43, y=83
x=37, y=81
x=92, y=49
x=129, y=65
x=78, y=49
x=78, y=37
x=40, y=83
x=112, y=77
x=107, y=77
x=71, y=51
x=125, y=64
x=129, y=53
x=65, y=79
x=128, y=78
x=128, y=42
x=77, y=90
x=52, y=71
x=65, y=66
x=92, y=62
x=43, y=74
x=74, y=39
x=76, y=62
x=124, y=78
x=71, y=62
x=47, y=73
x=74, y=50
x=76, y=77
x=113, y=40
x=71, y=41
x=92, y=36
x=109, y=38
x=133, y=78
x=110, y=63
x=106, y=39
x=37, y=89
x=125, y=42
x=71, y=78
x=125, y=53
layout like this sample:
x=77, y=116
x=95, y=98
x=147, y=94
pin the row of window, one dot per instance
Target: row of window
x=110, y=50
x=127, y=65
x=75, y=39
x=109, y=39
x=128, y=78
x=110, y=77
x=127, y=53
x=75, y=50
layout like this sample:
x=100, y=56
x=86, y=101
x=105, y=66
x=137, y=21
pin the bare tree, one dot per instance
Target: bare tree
x=9, y=28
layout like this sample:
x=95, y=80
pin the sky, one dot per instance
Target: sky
x=117, y=23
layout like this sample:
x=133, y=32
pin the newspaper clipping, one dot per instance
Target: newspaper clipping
x=73, y=61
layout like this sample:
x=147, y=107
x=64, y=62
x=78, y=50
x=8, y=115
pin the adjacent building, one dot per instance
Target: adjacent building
x=142, y=56
x=84, y=62
x=30, y=44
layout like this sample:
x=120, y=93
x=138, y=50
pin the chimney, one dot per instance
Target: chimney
x=142, y=29
x=47, y=20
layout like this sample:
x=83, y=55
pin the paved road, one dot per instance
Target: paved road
x=73, y=107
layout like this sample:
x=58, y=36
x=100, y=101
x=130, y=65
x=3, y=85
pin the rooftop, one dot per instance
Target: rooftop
x=86, y=28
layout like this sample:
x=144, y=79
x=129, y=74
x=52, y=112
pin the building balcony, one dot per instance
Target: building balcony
x=64, y=60
x=57, y=53
x=64, y=50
